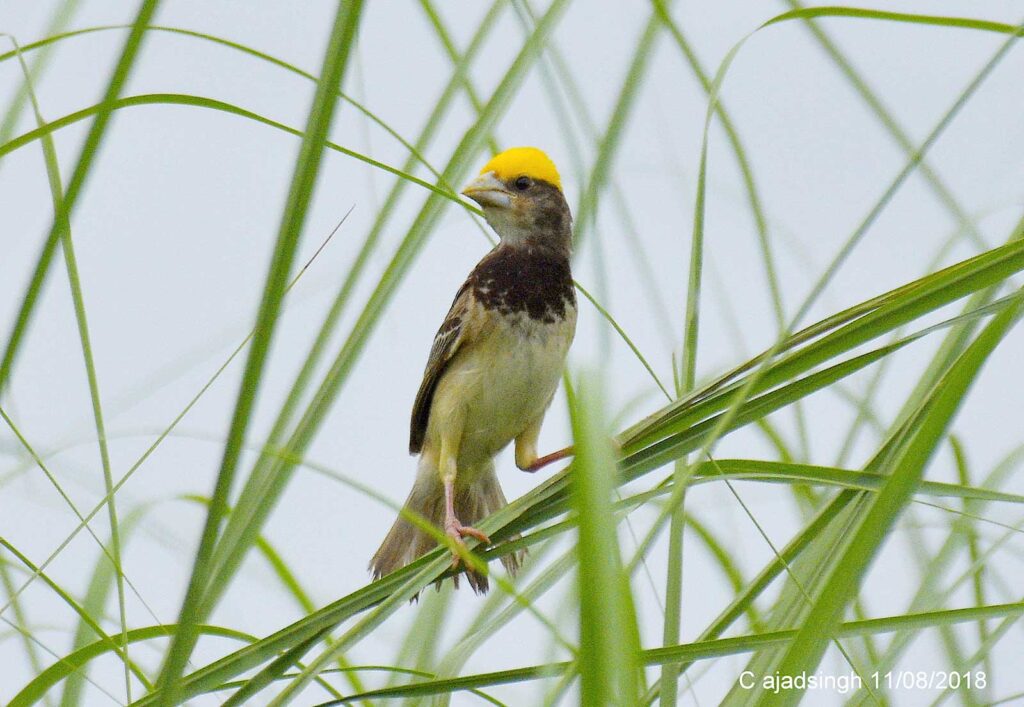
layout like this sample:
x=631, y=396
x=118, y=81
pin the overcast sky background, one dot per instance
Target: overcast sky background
x=175, y=229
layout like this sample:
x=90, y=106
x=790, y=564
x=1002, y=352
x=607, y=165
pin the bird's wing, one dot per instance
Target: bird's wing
x=450, y=337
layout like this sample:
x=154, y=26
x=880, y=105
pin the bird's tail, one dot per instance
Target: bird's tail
x=474, y=501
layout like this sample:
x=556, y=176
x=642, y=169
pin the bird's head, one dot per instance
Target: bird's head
x=521, y=195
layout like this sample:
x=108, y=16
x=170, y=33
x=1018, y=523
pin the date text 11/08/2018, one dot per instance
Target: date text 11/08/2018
x=929, y=680
x=891, y=680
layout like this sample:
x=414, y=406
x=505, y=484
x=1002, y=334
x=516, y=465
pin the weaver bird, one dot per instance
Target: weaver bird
x=495, y=363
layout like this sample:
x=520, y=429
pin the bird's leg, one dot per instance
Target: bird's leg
x=526, y=446
x=453, y=527
x=541, y=462
x=526, y=449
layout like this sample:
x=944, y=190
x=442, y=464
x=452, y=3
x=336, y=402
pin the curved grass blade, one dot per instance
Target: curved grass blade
x=211, y=103
x=910, y=18
x=792, y=473
x=75, y=661
x=890, y=123
x=292, y=585
x=83, y=615
x=280, y=63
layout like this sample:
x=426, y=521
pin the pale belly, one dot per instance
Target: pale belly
x=499, y=386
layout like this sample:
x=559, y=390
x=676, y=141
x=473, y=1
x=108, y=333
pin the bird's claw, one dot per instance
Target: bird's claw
x=457, y=531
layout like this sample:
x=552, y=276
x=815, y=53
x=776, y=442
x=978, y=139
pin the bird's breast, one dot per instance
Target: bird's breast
x=505, y=380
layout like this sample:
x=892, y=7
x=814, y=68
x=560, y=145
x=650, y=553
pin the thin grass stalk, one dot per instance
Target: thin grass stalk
x=21, y=621
x=674, y=580
x=945, y=195
x=93, y=603
x=60, y=19
x=586, y=211
x=456, y=59
x=973, y=551
x=83, y=166
x=81, y=319
x=235, y=46
x=76, y=661
x=160, y=437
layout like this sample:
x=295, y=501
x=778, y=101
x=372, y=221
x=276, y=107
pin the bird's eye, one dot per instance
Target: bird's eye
x=522, y=183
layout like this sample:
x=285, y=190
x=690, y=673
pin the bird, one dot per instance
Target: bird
x=494, y=365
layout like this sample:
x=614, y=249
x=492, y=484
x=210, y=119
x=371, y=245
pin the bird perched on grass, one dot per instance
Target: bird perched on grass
x=495, y=363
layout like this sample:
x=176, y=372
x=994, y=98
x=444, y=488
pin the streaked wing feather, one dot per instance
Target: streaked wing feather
x=446, y=343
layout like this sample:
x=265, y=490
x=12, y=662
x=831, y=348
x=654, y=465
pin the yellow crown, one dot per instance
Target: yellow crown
x=520, y=161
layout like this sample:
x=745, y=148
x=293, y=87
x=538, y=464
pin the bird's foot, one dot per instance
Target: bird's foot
x=457, y=531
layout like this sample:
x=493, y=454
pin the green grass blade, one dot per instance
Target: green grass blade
x=21, y=623
x=75, y=661
x=490, y=619
x=292, y=585
x=672, y=624
x=850, y=328
x=280, y=63
x=210, y=103
x=300, y=194
x=455, y=57
x=609, y=637
x=586, y=211
x=928, y=596
x=792, y=473
x=927, y=20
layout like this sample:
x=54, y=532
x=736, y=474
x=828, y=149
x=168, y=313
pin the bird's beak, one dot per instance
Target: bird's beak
x=487, y=190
